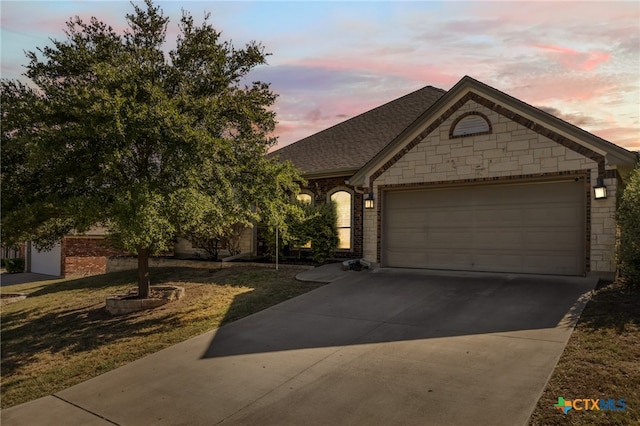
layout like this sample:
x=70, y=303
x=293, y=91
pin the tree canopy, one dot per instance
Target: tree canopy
x=116, y=131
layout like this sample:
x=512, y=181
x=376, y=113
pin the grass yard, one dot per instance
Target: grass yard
x=62, y=334
x=601, y=360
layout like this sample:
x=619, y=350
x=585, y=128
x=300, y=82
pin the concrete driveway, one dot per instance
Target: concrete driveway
x=385, y=348
x=7, y=279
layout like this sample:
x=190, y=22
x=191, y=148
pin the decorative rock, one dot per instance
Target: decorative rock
x=355, y=265
x=122, y=305
x=12, y=297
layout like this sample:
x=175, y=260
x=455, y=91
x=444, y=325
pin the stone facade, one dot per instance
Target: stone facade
x=513, y=150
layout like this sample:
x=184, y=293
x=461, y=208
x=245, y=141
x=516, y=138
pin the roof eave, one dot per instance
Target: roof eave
x=330, y=173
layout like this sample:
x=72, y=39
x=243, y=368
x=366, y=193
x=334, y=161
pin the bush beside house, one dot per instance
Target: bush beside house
x=318, y=229
x=14, y=266
x=629, y=222
x=312, y=233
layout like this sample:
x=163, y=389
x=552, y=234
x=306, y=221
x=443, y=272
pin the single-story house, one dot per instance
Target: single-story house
x=469, y=179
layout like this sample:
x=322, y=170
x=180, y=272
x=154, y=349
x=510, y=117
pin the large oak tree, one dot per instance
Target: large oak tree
x=116, y=131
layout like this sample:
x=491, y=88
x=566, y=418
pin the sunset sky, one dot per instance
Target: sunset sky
x=333, y=60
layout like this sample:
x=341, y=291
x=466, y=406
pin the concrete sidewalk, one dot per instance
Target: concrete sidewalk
x=375, y=348
x=325, y=273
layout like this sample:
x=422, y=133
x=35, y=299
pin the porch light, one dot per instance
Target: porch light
x=369, y=201
x=600, y=191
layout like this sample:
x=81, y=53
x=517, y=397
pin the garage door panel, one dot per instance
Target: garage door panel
x=502, y=261
x=561, y=238
x=452, y=217
x=409, y=218
x=564, y=215
x=489, y=239
x=452, y=238
x=506, y=216
x=524, y=227
x=46, y=261
x=558, y=215
x=404, y=260
x=405, y=240
x=442, y=258
x=565, y=265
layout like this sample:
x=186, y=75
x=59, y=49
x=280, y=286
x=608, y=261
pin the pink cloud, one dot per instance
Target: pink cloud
x=289, y=132
x=303, y=117
x=575, y=60
x=626, y=137
x=544, y=88
x=399, y=67
x=297, y=121
x=558, y=13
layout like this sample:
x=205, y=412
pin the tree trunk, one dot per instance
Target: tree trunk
x=143, y=273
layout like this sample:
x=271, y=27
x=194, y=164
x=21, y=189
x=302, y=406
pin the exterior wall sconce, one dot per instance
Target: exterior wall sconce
x=369, y=202
x=600, y=191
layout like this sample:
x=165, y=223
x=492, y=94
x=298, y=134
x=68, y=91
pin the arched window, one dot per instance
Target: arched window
x=470, y=123
x=344, y=208
x=305, y=198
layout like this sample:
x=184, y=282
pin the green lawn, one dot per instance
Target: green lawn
x=62, y=334
x=601, y=360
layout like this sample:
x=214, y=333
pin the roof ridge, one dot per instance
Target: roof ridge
x=360, y=115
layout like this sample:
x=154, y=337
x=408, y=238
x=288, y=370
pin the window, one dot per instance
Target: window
x=305, y=198
x=343, y=206
x=470, y=123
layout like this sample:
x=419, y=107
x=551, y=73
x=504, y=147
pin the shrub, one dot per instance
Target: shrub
x=316, y=224
x=629, y=222
x=324, y=234
x=214, y=239
x=14, y=266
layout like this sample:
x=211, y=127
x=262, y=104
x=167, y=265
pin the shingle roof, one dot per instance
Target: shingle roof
x=351, y=144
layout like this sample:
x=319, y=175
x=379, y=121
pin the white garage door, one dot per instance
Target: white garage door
x=46, y=262
x=526, y=227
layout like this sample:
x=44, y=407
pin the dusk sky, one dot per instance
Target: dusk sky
x=333, y=60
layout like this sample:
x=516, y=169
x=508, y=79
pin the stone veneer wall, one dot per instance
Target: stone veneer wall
x=510, y=151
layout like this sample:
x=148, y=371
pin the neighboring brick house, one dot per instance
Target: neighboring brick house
x=86, y=255
x=74, y=255
x=470, y=179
